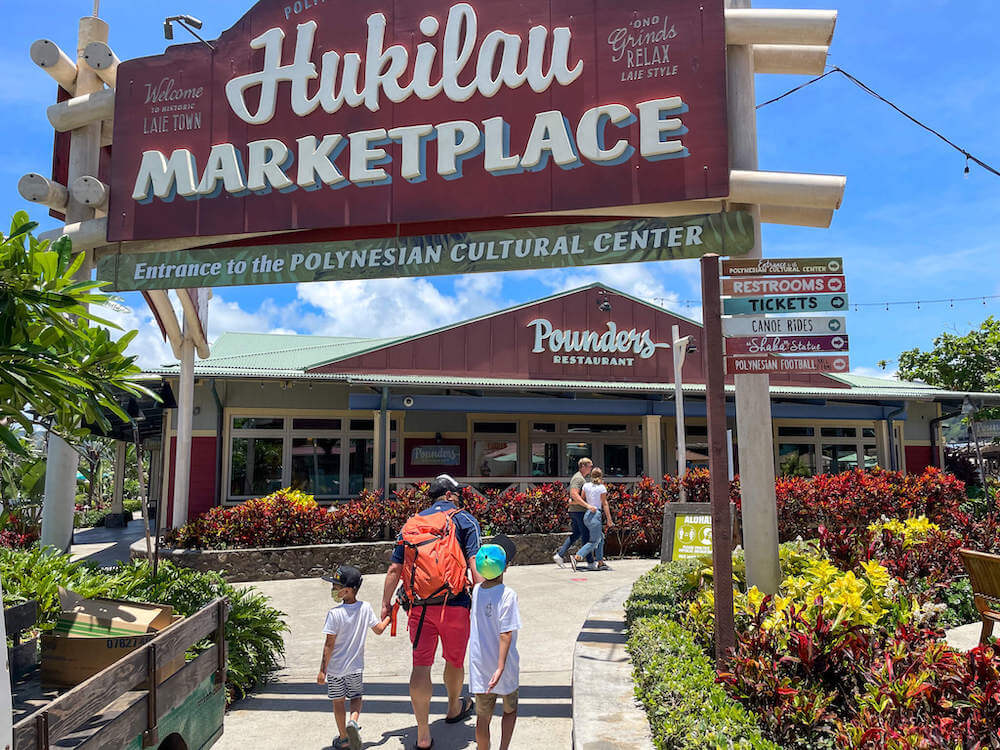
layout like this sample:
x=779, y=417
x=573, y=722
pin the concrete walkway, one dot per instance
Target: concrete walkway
x=293, y=711
x=105, y=546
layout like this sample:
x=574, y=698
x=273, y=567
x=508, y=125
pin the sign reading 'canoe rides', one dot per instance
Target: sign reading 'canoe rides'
x=512, y=249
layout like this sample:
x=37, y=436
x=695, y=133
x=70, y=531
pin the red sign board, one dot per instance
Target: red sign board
x=754, y=286
x=786, y=344
x=742, y=364
x=337, y=113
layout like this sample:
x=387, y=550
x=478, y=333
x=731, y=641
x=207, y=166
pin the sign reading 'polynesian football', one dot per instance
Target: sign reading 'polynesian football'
x=334, y=113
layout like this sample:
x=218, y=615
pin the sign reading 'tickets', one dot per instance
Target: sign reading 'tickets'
x=336, y=113
x=802, y=325
x=785, y=304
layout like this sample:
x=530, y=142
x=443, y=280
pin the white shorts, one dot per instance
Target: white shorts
x=349, y=686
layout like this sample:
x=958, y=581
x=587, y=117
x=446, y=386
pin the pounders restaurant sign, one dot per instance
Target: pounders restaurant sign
x=331, y=113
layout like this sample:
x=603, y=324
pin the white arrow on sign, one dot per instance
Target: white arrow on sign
x=807, y=325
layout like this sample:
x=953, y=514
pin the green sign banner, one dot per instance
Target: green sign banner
x=692, y=537
x=560, y=246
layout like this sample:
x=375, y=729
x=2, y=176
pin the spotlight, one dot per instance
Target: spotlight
x=604, y=306
x=190, y=23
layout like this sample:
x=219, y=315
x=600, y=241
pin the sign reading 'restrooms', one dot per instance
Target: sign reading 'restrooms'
x=334, y=114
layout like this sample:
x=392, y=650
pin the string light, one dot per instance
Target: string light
x=918, y=303
x=871, y=92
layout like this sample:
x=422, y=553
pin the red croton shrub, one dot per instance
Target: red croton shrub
x=855, y=499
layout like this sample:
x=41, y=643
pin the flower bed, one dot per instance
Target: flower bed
x=849, y=500
x=849, y=653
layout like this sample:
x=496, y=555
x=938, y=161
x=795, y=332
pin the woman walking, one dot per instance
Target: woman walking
x=596, y=495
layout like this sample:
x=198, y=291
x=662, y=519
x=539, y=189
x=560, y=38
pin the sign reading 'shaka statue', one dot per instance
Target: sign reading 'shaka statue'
x=332, y=114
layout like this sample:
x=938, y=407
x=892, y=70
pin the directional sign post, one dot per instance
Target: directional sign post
x=816, y=325
x=784, y=304
x=786, y=344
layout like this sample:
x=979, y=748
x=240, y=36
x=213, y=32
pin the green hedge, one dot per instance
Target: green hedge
x=674, y=679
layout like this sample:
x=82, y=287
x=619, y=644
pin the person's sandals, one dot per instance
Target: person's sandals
x=603, y=566
x=572, y=561
x=468, y=706
x=339, y=743
x=428, y=747
x=353, y=735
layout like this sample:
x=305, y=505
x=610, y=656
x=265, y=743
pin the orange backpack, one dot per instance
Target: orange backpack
x=434, y=564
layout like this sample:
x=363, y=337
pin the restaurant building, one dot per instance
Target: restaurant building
x=514, y=397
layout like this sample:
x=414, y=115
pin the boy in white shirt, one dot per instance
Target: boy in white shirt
x=342, y=667
x=493, y=657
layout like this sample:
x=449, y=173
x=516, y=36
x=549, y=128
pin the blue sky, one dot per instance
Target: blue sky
x=911, y=227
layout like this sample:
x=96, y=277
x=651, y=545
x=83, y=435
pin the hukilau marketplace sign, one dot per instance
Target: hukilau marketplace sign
x=558, y=246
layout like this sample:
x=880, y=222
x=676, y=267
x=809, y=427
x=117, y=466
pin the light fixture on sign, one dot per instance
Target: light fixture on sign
x=186, y=22
x=604, y=305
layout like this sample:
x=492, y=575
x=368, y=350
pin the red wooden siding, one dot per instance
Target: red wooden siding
x=501, y=346
x=201, y=492
x=918, y=458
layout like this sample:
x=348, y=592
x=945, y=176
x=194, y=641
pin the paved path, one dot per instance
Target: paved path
x=293, y=711
x=105, y=546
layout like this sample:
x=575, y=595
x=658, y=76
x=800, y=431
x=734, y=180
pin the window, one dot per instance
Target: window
x=503, y=428
x=838, y=432
x=796, y=431
x=615, y=460
x=256, y=466
x=305, y=453
x=796, y=459
x=839, y=457
x=495, y=458
x=316, y=465
x=574, y=452
x=544, y=459
x=543, y=427
x=596, y=428
x=837, y=448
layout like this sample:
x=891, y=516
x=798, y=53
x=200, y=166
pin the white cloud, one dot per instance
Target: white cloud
x=395, y=307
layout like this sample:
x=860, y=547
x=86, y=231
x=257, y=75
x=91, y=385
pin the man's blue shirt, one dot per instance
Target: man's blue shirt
x=468, y=533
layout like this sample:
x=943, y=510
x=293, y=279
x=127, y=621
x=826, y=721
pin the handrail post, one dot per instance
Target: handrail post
x=220, y=643
x=151, y=735
x=42, y=731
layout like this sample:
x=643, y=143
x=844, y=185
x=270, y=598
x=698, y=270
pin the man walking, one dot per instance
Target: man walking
x=435, y=557
x=577, y=507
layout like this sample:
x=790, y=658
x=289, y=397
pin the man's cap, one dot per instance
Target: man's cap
x=345, y=575
x=509, y=548
x=442, y=484
x=491, y=561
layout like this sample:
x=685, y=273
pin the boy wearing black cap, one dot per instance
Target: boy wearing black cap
x=343, y=663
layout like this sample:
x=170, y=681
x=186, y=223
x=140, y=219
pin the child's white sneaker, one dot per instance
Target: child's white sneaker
x=353, y=735
x=557, y=559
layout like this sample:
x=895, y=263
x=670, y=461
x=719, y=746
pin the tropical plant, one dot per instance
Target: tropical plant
x=254, y=629
x=59, y=369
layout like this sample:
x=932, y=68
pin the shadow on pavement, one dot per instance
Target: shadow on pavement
x=393, y=698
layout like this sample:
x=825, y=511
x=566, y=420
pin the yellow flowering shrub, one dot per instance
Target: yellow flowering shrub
x=297, y=497
x=865, y=599
x=912, y=530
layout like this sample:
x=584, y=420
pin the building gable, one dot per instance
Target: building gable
x=565, y=337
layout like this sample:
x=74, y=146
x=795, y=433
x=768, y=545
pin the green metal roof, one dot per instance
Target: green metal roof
x=241, y=352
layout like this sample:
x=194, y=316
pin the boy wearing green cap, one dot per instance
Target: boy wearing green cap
x=493, y=657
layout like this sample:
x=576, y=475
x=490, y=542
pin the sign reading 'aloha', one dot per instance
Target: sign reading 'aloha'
x=341, y=114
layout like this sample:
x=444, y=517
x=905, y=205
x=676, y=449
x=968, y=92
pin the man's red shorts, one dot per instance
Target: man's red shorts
x=450, y=624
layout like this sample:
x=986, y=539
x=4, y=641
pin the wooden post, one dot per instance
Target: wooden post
x=185, y=417
x=715, y=402
x=118, y=493
x=753, y=401
x=84, y=159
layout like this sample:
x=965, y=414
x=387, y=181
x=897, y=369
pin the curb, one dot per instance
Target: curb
x=605, y=713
